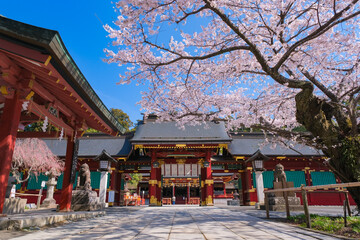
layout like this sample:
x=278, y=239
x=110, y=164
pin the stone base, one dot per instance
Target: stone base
x=87, y=207
x=281, y=201
x=233, y=202
x=278, y=204
x=14, y=205
x=83, y=200
x=282, y=208
x=49, y=203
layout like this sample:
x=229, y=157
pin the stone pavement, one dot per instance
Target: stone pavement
x=175, y=222
x=43, y=217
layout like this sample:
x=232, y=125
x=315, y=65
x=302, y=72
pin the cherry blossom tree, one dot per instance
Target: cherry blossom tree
x=269, y=64
x=34, y=156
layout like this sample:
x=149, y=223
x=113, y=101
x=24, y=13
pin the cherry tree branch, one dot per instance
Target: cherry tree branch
x=318, y=84
x=321, y=30
x=192, y=13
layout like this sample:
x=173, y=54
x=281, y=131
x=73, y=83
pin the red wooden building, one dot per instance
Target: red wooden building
x=201, y=164
x=39, y=80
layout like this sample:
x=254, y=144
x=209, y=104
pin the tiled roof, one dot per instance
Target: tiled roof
x=165, y=132
x=248, y=144
x=115, y=146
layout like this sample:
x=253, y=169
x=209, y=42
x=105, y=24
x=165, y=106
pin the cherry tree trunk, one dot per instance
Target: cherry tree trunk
x=341, y=145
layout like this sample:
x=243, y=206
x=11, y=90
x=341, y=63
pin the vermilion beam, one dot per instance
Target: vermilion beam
x=41, y=111
x=46, y=95
x=22, y=51
x=8, y=128
x=38, y=134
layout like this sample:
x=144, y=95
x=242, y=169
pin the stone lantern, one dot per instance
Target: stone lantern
x=257, y=160
x=104, y=160
x=49, y=201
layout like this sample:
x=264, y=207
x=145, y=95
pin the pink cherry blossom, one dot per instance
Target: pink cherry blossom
x=269, y=64
x=34, y=156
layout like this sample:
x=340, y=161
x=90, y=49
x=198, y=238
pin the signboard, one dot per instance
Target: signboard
x=74, y=161
x=111, y=196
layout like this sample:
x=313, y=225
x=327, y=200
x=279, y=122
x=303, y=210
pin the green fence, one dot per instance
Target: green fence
x=95, y=180
x=298, y=177
x=34, y=183
x=322, y=178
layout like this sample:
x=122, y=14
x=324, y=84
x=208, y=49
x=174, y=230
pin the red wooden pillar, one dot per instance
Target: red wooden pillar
x=66, y=192
x=117, y=187
x=158, y=187
x=202, y=185
x=112, y=186
x=209, y=182
x=153, y=181
x=250, y=191
x=308, y=176
x=113, y=180
x=243, y=187
x=9, y=124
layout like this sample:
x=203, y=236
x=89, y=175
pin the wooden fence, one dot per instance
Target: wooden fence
x=303, y=189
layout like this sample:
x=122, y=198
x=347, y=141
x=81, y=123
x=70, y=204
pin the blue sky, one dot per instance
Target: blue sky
x=80, y=23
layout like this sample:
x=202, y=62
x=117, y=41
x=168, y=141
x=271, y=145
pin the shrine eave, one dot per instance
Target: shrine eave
x=43, y=52
x=179, y=145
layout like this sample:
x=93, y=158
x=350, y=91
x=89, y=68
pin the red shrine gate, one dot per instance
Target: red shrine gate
x=181, y=171
x=181, y=180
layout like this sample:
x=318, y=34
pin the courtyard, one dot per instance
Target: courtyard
x=173, y=222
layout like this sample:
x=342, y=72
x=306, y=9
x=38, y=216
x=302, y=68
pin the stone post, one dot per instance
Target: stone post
x=259, y=187
x=49, y=201
x=103, y=186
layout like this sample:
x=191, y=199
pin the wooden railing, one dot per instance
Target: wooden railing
x=303, y=189
x=31, y=194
